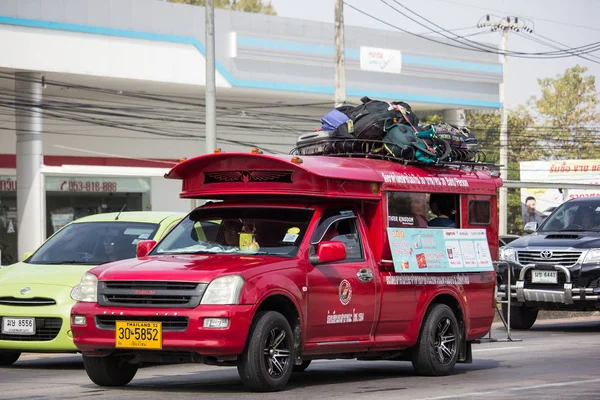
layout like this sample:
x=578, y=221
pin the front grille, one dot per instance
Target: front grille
x=26, y=302
x=150, y=294
x=45, y=329
x=169, y=324
x=564, y=258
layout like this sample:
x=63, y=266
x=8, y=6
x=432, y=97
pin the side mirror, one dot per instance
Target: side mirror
x=143, y=247
x=26, y=255
x=328, y=252
x=530, y=227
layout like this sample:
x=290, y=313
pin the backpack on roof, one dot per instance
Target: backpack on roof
x=402, y=141
x=366, y=121
x=462, y=141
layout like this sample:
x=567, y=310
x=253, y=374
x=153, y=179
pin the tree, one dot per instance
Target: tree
x=524, y=143
x=569, y=114
x=253, y=6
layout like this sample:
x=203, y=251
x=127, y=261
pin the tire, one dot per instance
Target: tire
x=266, y=344
x=109, y=371
x=9, y=357
x=521, y=317
x=428, y=356
x=302, y=367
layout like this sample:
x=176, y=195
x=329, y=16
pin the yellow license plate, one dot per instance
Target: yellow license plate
x=138, y=335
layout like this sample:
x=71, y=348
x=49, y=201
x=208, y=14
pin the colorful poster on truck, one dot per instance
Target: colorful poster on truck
x=439, y=250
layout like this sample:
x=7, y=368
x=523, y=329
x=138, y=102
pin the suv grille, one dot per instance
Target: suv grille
x=45, y=329
x=564, y=258
x=169, y=324
x=31, y=301
x=150, y=294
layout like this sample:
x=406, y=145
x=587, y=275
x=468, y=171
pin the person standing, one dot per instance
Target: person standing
x=531, y=214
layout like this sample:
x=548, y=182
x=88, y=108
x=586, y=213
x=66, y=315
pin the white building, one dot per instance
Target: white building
x=99, y=98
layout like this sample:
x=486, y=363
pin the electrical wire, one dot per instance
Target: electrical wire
x=540, y=55
x=470, y=42
x=520, y=15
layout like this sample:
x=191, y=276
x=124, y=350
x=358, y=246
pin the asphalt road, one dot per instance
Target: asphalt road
x=556, y=359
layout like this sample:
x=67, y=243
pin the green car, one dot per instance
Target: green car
x=35, y=294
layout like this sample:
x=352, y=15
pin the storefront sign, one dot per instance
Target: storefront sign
x=83, y=184
x=577, y=171
x=439, y=250
x=380, y=60
x=8, y=184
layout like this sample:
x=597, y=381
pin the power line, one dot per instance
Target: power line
x=481, y=47
x=521, y=15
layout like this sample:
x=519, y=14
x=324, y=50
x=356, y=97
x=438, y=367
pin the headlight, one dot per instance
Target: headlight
x=87, y=289
x=508, y=254
x=592, y=256
x=224, y=290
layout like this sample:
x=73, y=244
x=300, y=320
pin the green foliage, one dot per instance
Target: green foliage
x=253, y=6
x=522, y=147
x=568, y=109
x=431, y=119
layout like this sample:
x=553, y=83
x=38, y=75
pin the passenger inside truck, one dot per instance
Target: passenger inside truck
x=442, y=206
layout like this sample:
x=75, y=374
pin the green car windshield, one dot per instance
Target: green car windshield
x=238, y=230
x=93, y=243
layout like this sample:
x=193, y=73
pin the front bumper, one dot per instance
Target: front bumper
x=564, y=294
x=53, y=331
x=95, y=337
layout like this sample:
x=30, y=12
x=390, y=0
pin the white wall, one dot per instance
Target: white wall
x=99, y=55
x=165, y=195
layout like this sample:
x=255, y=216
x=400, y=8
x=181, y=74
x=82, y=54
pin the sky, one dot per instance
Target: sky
x=570, y=23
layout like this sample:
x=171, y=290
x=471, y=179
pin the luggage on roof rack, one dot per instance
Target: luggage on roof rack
x=388, y=130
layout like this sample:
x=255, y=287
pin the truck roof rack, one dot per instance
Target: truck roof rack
x=376, y=149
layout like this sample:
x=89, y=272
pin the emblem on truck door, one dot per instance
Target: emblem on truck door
x=345, y=292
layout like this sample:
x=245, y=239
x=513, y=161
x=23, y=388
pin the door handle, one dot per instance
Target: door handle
x=364, y=275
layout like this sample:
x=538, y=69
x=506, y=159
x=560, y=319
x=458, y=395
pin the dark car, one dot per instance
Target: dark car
x=504, y=240
x=557, y=266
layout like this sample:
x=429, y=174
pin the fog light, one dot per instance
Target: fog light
x=218, y=323
x=79, y=320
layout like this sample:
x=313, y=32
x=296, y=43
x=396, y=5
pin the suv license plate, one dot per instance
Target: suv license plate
x=544, y=277
x=138, y=335
x=18, y=326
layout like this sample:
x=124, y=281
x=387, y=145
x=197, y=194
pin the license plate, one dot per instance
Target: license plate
x=138, y=335
x=544, y=277
x=18, y=326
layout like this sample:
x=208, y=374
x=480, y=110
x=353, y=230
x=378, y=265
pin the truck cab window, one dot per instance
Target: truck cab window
x=340, y=226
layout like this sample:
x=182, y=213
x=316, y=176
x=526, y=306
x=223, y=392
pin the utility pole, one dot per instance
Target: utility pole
x=340, y=60
x=210, y=106
x=504, y=25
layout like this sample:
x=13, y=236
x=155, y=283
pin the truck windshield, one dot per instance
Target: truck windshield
x=238, y=230
x=574, y=216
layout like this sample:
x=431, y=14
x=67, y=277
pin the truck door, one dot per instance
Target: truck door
x=341, y=295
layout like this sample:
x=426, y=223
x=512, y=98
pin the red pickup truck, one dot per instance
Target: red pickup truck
x=295, y=259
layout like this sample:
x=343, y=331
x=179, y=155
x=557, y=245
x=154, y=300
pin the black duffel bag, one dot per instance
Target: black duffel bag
x=367, y=120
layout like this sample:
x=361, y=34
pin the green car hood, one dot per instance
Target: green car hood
x=39, y=274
